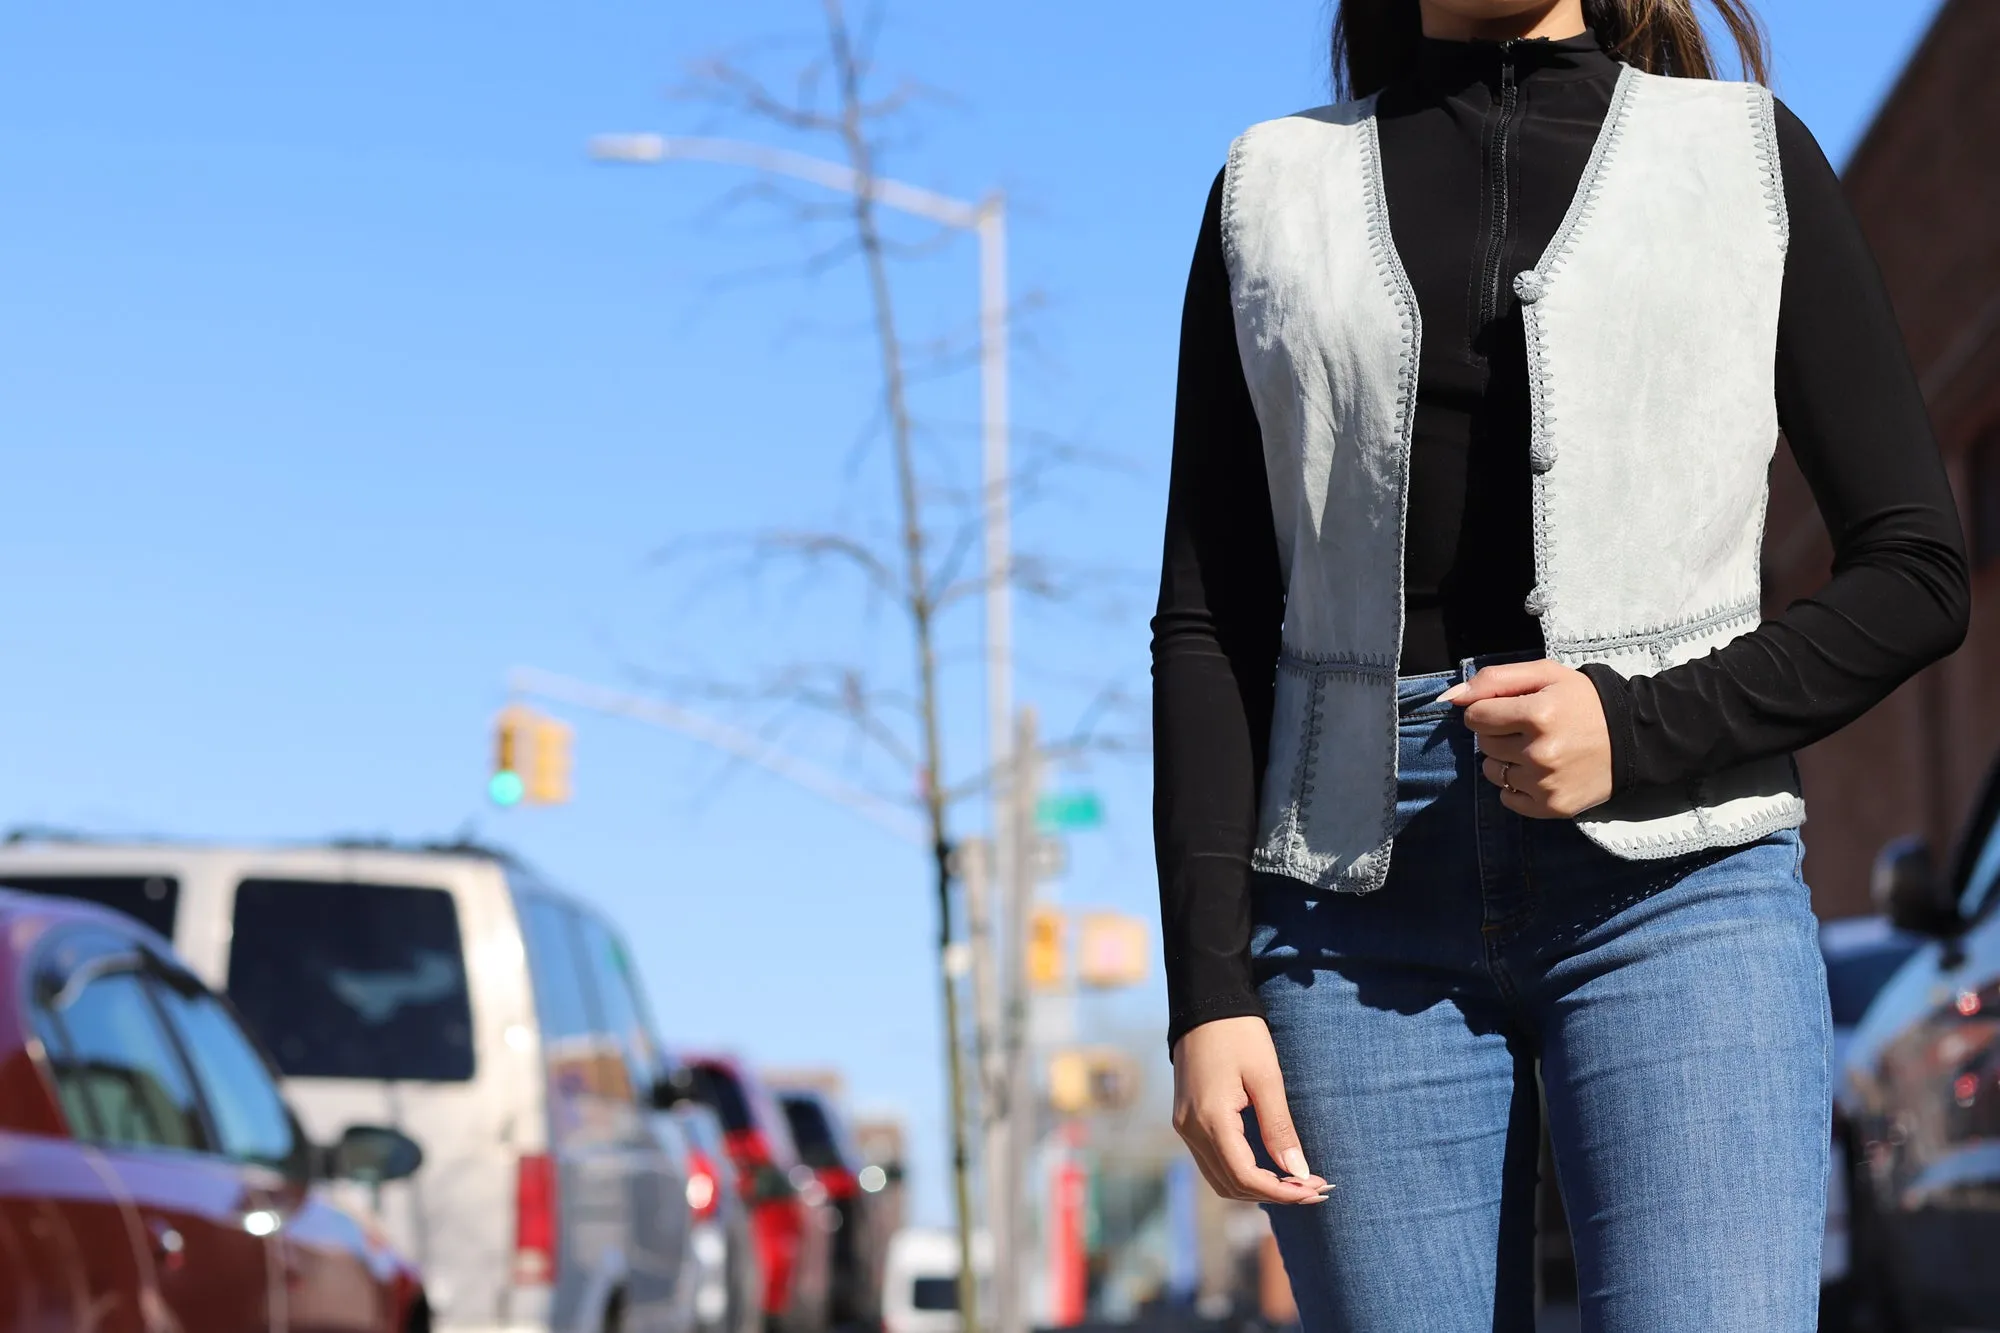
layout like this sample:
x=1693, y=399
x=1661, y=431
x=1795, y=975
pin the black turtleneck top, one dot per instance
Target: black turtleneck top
x=1483, y=145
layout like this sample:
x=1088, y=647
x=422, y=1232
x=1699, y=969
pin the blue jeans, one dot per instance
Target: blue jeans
x=1676, y=1011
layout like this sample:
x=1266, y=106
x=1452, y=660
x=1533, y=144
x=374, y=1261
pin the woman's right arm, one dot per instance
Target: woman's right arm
x=1215, y=653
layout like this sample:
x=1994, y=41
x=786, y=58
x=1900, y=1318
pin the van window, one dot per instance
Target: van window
x=585, y=1062
x=561, y=1001
x=934, y=1293
x=619, y=1002
x=353, y=980
x=151, y=899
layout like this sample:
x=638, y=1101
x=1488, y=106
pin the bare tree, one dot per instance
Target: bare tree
x=917, y=566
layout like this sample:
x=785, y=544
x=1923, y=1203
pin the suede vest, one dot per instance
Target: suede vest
x=1651, y=328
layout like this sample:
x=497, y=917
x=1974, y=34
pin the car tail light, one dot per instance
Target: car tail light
x=704, y=1189
x=535, y=1220
x=840, y=1183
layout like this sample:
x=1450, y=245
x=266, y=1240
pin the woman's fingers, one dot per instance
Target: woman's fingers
x=1251, y=1180
x=1222, y=1068
x=1266, y=1087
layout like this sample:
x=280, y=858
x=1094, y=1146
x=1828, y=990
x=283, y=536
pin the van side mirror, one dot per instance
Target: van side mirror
x=372, y=1154
x=1909, y=892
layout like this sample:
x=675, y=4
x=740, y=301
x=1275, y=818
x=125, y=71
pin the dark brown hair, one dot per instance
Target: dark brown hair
x=1375, y=40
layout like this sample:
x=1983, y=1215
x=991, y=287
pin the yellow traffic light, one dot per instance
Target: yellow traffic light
x=1047, y=967
x=531, y=758
x=549, y=762
x=509, y=739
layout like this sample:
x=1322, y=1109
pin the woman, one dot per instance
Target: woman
x=1473, y=749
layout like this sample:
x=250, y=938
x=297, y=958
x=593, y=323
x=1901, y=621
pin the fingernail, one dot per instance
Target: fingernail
x=1451, y=695
x=1295, y=1163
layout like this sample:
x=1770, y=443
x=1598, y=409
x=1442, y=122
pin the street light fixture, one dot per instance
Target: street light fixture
x=986, y=219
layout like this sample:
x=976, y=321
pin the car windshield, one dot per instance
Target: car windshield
x=352, y=980
x=148, y=898
x=719, y=1088
x=1852, y=980
x=812, y=1132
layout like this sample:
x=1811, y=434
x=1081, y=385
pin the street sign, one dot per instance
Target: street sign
x=1069, y=810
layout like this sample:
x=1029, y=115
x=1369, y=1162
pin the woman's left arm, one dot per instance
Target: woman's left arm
x=1899, y=596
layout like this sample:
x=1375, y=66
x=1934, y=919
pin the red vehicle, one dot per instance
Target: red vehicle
x=791, y=1220
x=152, y=1179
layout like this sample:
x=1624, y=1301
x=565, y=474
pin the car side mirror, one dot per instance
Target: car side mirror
x=671, y=1089
x=770, y=1185
x=1908, y=891
x=372, y=1154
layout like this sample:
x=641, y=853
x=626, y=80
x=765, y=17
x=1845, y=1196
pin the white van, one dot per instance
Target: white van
x=920, y=1279
x=453, y=995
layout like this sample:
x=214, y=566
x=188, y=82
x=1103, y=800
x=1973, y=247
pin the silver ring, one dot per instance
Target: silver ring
x=1507, y=777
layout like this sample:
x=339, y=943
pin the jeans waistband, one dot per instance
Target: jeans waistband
x=1417, y=692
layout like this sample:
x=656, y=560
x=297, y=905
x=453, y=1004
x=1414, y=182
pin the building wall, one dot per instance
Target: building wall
x=1925, y=184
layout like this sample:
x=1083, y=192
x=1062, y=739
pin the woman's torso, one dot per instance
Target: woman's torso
x=1483, y=146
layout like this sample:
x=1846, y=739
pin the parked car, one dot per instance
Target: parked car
x=851, y=1186
x=1920, y=1088
x=151, y=1174
x=1861, y=954
x=728, y=1282
x=920, y=1280
x=791, y=1218
x=455, y=995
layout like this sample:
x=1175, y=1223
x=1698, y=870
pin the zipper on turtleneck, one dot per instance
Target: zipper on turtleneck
x=1499, y=170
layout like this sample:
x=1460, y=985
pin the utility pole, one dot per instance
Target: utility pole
x=1012, y=1238
x=983, y=937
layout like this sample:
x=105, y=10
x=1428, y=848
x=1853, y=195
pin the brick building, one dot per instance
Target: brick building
x=1925, y=183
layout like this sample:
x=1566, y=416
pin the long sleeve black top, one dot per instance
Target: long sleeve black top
x=1483, y=146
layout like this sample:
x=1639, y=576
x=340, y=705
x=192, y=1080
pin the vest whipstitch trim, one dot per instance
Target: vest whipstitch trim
x=1651, y=325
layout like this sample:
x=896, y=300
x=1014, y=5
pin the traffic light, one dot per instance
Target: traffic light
x=509, y=740
x=531, y=758
x=1047, y=967
x=1092, y=1079
x=549, y=762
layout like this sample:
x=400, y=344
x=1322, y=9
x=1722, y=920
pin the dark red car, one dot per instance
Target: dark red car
x=791, y=1219
x=861, y=1240
x=152, y=1179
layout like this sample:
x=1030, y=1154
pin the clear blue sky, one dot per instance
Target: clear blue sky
x=334, y=382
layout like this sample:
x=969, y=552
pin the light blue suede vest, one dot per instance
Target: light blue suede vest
x=1651, y=327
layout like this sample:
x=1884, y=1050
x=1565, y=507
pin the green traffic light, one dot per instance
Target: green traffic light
x=505, y=788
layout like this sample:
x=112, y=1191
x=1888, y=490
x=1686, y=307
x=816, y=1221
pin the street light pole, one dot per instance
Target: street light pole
x=987, y=220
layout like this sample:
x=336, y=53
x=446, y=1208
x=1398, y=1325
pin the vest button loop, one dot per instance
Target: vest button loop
x=1529, y=286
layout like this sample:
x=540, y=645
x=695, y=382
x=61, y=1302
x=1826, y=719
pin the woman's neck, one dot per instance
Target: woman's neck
x=1554, y=19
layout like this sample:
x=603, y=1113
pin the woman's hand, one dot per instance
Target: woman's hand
x=1219, y=1069
x=1542, y=730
